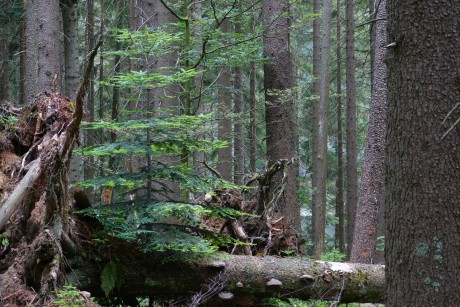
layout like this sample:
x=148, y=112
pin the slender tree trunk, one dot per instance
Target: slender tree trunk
x=72, y=72
x=252, y=119
x=280, y=110
x=339, y=207
x=115, y=101
x=225, y=110
x=422, y=246
x=321, y=128
x=101, y=76
x=372, y=34
x=90, y=166
x=315, y=102
x=22, y=62
x=372, y=177
x=4, y=71
x=352, y=151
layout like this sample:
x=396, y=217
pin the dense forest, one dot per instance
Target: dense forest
x=229, y=153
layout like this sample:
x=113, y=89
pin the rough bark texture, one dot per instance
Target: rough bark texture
x=352, y=150
x=422, y=196
x=31, y=24
x=72, y=63
x=49, y=30
x=280, y=110
x=372, y=176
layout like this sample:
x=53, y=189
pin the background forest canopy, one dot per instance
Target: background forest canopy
x=159, y=64
x=208, y=125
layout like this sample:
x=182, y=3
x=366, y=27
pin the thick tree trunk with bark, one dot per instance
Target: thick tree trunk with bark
x=422, y=198
x=372, y=176
x=280, y=110
x=320, y=109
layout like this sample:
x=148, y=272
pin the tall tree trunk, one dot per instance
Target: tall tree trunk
x=22, y=62
x=89, y=165
x=352, y=150
x=372, y=176
x=72, y=63
x=422, y=162
x=31, y=38
x=315, y=102
x=321, y=115
x=339, y=207
x=72, y=72
x=50, y=63
x=280, y=110
x=239, y=127
x=252, y=119
x=4, y=71
x=372, y=33
x=225, y=110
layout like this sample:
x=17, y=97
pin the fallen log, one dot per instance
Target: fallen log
x=249, y=279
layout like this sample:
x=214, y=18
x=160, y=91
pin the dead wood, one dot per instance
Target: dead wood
x=34, y=212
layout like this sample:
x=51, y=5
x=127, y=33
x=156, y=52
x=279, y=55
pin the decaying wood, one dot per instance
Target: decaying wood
x=34, y=213
x=247, y=278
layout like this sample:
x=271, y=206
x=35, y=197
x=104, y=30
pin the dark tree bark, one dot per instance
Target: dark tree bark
x=351, y=148
x=339, y=207
x=5, y=45
x=252, y=119
x=22, y=62
x=422, y=246
x=280, y=110
x=372, y=176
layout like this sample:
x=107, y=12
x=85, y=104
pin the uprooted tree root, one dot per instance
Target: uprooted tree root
x=34, y=215
x=35, y=226
x=269, y=233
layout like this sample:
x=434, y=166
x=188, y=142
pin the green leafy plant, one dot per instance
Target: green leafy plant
x=112, y=277
x=69, y=296
x=5, y=242
x=333, y=255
